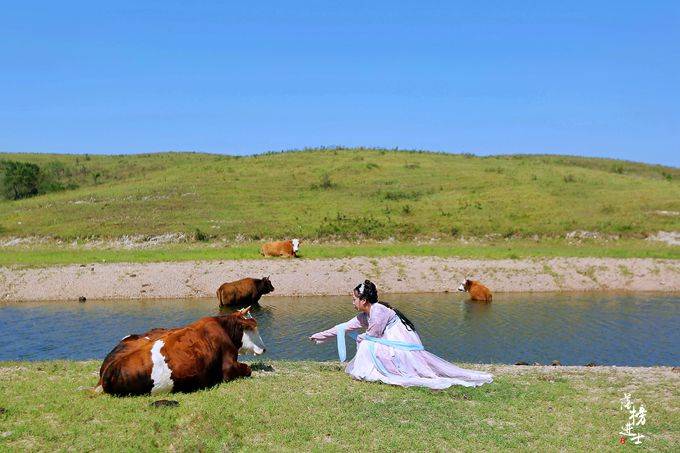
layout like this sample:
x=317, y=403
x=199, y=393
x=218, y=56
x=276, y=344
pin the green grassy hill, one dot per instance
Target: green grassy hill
x=345, y=193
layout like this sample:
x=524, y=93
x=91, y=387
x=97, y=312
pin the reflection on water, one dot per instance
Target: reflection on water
x=574, y=328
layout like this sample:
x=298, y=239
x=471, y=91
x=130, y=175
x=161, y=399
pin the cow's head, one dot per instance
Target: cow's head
x=251, y=342
x=296, y=245
x=465, y=285
x=266, y=286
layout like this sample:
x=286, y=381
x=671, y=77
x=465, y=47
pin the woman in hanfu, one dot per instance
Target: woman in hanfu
x=390, y=350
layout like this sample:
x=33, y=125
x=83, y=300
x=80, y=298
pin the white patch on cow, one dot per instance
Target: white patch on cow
x=251, y=343
x=147, y=338
x=161, y=375
x=461, y=287
x=296, y=245
x=126, y=336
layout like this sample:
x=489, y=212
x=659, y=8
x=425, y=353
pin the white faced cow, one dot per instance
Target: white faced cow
x=188, y=358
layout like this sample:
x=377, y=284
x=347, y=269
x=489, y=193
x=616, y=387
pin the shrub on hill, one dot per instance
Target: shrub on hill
x=22, y=179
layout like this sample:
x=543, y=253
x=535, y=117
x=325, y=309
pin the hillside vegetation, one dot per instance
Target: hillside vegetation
x=344, y=193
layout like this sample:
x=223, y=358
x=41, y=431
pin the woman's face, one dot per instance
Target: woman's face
x=358, y=303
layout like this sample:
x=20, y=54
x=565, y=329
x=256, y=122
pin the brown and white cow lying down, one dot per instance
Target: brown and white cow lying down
x=188, y=358
x=281, y=248
x=476, y=290
x=246, y=291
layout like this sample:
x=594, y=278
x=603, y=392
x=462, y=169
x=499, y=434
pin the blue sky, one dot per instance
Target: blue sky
x=582, y=78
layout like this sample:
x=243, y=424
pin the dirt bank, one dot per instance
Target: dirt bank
x=336, y=276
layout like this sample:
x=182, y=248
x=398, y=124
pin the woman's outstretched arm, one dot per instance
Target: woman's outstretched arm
x=358, y=322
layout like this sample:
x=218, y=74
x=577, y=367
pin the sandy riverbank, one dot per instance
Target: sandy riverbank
x=336, y=276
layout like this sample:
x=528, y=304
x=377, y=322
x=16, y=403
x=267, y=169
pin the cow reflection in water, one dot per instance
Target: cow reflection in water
x=188, y=358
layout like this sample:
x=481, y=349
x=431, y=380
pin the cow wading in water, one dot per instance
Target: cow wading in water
x=477, y=291
x=246, y=291
x=185, y=359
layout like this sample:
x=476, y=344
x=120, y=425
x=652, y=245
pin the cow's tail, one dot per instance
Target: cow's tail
x=219, y=296
x=96, y=390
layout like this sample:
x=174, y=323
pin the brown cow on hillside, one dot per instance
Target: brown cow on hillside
x=281, y=248
x=476, y=290
x=246, y=291
x=188, y=358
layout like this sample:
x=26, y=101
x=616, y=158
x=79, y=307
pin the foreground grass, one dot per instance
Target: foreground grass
x=299, y=406
x=347, y=193
x=40, y=256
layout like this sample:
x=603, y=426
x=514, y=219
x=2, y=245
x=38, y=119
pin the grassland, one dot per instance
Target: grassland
x=341, y=193
x=302, y=406
x=49, y=255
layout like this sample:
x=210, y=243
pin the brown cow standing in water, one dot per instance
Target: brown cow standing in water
x=246, y=291
x=188, y=358
x=476, y=290
x=281, y=248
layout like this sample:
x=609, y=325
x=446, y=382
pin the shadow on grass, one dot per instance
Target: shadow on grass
x=261, y=366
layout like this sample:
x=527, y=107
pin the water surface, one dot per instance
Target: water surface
x=639, y=329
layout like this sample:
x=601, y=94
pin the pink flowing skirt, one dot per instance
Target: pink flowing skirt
x=376, y=361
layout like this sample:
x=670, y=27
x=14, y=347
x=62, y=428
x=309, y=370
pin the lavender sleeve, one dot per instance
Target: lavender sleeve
x=356, y=323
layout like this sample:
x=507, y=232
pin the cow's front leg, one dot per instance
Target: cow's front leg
x=244, y=369
x=234, y=370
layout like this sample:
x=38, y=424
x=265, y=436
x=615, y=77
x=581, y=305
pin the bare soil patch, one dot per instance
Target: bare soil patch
x=300, y=277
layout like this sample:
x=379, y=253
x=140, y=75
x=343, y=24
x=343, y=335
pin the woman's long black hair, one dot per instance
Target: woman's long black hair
x=368, y=292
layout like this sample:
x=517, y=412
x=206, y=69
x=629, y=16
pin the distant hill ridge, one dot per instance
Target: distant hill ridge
x=345, y=193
